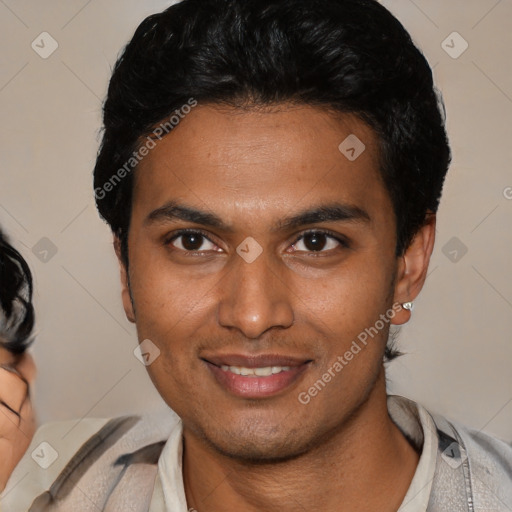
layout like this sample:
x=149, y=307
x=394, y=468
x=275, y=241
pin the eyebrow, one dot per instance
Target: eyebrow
x=332, y=212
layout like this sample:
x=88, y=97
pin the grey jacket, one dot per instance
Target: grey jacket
x=115, y=467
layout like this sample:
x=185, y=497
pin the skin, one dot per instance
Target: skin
x=252, y=168
x=15, y=432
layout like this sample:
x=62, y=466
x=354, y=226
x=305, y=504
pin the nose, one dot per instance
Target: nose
x=254, y=298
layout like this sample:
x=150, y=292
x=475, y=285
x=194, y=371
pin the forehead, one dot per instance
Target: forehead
x=233, y=161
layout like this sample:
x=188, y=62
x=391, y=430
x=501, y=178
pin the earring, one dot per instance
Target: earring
x=408, y=305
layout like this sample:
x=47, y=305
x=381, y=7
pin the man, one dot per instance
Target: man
x=270, y=171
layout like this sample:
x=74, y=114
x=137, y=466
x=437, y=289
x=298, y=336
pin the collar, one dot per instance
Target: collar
x=411, y=418
x=418, y=426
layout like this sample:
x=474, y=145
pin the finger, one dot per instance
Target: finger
x=16, y=424
x=14, y=441
x=13, y=390
x=6, y=357
x=6, y=463
x=28, y=420
x=26, y=366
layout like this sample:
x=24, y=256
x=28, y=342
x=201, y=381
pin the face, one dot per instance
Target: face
x=257, y=246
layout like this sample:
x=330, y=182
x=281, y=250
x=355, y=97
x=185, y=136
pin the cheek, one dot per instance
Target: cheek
x=162, y=298
x=350, y=298
x=169, y=309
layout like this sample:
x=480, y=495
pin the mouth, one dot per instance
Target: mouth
x=259, y=376
x=265, y=371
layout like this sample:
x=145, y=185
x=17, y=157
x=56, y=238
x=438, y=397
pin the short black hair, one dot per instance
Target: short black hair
x=16, y=309
x=350, y=56
x=346, y=56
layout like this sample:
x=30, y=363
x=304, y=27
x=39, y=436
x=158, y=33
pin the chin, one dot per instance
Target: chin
x=267, y=445
x=260, y=453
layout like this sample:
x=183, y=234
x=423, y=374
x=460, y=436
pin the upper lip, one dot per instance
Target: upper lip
x=254, y=361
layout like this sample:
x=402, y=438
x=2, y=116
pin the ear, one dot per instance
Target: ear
x=413, y=267
x=125, y=287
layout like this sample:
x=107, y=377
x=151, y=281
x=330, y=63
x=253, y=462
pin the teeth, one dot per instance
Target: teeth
x=263, y=372
x=255, y=372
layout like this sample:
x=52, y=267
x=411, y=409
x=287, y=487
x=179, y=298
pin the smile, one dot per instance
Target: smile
x=256, y=376
x=255, y=372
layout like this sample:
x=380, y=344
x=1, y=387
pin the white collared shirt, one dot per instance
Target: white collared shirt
x=412, y=419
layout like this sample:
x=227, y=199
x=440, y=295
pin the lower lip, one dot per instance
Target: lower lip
x=256, y=387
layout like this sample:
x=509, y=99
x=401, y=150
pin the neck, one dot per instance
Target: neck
x=366, y=465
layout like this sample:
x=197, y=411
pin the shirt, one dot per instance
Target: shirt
x=135, y=463
x=412, y=419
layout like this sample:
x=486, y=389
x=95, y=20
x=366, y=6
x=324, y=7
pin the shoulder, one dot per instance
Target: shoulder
x=472, y=470
x=485, y=462
x=63, y=452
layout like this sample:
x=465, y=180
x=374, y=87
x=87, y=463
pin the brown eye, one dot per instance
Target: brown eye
x=317, y=241
x=191, y=241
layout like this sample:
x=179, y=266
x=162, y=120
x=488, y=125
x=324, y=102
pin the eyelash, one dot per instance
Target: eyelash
x=341, y=240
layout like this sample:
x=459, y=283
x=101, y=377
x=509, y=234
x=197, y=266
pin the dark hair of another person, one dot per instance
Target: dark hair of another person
x=16, y=310
x=346, y=56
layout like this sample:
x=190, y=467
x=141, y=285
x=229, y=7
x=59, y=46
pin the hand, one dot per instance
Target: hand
x=17, y=419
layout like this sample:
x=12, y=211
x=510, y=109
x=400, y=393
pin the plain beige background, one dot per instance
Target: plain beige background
x=458, y=344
